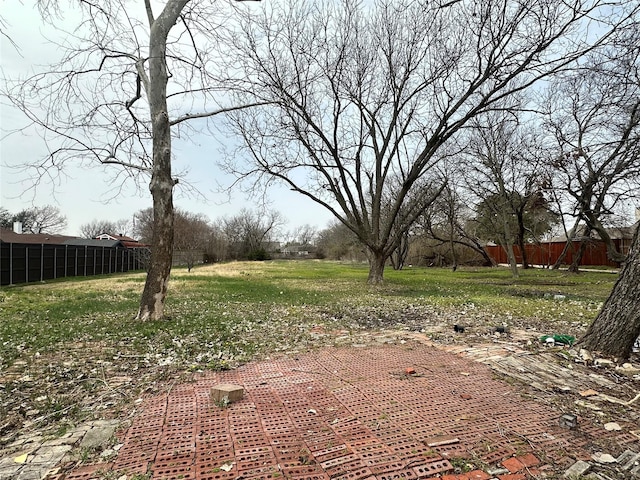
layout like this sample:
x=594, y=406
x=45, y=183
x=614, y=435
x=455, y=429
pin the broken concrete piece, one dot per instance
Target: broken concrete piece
x=226, y=393
x=603, y=362
x=494, y=472
x=100, y=434
x=628, y=369
x=585, y=355
x=568, y=420
x=612, y=426
x=577, y=469
x=628, y=459
x=603, y=457
x=591, y=406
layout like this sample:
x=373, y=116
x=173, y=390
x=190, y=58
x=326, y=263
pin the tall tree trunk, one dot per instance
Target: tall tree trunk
x=161, y=186
x=567, y=246
x=577, y=258
x=560, y=260
x=377, y=261
x=513, y=263
x=399, y=256
x=617, y=326
x=454, y=255
x=521, y=232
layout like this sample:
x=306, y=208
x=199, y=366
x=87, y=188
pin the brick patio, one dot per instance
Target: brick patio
x=348, y=413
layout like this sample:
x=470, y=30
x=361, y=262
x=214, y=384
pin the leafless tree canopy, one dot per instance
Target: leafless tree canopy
x=46, y=219
x=132, y=75
x=593, y=116
x=96, y=227
x=362, y=97
x=91, y=109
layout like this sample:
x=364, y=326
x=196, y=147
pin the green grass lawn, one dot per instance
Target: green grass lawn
x=70, y=350
x=236, y=310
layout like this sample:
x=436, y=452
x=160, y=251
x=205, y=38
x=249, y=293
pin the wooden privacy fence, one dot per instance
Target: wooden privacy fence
x=547, y=253
x=24, y=263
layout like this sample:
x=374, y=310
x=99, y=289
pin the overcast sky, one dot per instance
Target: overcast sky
x=86, y=195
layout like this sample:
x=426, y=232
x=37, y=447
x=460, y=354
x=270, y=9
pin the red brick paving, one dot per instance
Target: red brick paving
x=348, y=414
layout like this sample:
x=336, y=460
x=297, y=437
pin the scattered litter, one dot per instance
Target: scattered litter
x=590, y=406
x=465, y=396
x=501, y=329
x=312, y=411
x=441, y=440
x=409, y=370
x=556, y=338
x=21, y=458
x=466, y=374
x=226, y=467
x=612, y=426
x=458, y=328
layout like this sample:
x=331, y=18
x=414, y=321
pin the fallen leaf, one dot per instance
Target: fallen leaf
x=588, y=393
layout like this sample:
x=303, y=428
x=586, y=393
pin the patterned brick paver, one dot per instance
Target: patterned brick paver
x=350, y=414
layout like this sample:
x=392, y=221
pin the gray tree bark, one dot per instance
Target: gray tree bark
x=617, y=326
x=155, y=288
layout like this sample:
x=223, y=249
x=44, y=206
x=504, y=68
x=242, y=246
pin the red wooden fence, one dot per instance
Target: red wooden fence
x=548, y=253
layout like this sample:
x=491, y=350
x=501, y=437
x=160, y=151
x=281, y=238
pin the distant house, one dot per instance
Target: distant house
x=298, y=250
x=127, y=242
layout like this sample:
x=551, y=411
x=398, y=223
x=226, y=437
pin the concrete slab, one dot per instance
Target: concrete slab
x=99, y=435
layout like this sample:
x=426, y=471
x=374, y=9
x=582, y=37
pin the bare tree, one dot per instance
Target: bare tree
x=449, y=221
x=46, y=219
x=306, y=234
x=249, y=233
x=97, y=227
x=504, y=169
x=593, y=114
x=617, y=326
x=338, y=242
x=130, y=78
x=358, y=95
x=6, y=218
x=192, y=236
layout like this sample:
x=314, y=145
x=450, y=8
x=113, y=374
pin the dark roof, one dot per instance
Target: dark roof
x=9, y=236
x=127, y=242
x=92, y=242
x=616, y=233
